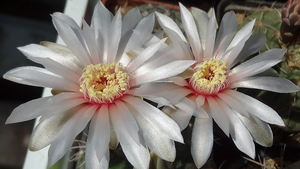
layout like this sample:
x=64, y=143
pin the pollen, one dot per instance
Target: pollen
x=210, y=77
x=103, y=83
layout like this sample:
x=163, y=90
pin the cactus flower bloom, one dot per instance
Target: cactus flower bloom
x=96, y=74
x=208, y=90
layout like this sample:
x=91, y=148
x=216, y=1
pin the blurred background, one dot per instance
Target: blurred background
x=23, y=22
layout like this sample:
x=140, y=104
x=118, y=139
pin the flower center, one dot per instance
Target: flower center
x=210, y=77
x=103, y=83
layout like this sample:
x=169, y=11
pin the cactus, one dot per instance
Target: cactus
x=269, y=21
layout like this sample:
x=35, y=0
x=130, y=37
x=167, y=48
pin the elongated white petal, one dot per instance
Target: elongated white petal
x=182, y=118
x=156, y=117
x=130, y=21
x=65, y=138
x=252, y=45
x=144, y=56
x=35, y=76
x=260, y=130
x=191, y=30
x=114, y=38
x=128, y=120
x=99, y=132
x=157, y=141
x=101, y=19
x=47, y=130
x=169, y=91
x=233, y=103
x=232, y=53
x=219, y=116
x=59, y=69
x=28, y=111
x=254, y=69
x=166, y=22
x=210, y=36
x=238, y=132
x=135, y=152
x=181, y=49
x=241, y=34
x=50, y=51
x=171, y=69
x=72, y=38
x=91, y=160
x=228, y=25
x=202, y=140
x=141, y=34
x=61, y=102
x=273, y=84
x=257, y=108
x=91, y=42
x=201, y=19
x=187, y=105
x=270, y=55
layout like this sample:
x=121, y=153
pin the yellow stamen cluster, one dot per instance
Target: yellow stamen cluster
x=210, y=77
x=103, y=83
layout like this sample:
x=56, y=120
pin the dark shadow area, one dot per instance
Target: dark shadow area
x=22, y=22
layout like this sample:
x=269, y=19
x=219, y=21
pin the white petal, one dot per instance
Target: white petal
x=101, y=19
x=257, y=108
x=171, y=69
x=156, y=140
x=181, y=50
x=218, y=115
x=260, y=131
x=128, y=120
x=99, y=132
x=274, y=84
x=73, y=38
x=252, y=45
x=201, y=19
x=54, y=52
x=166, y=22
x=91, y=160
x=156, y=117
x=141, y=34
x=91, y=41
x=47, y=130
x=28, y=111
x=61, y=102
x=238, y=132
x=210, y=36
x=228, y=25
x=181, y=117
x=231, y=54
x=254, y=69
x=233, y=103
x=191, y=31
x=68, y=132
x=202, y=140
x=114, y=38
x=135, y=152
x=173, y=93
x=35, y=76
x=144, y=56
x=130, y=21
x=270, y=55
x=245, y=31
